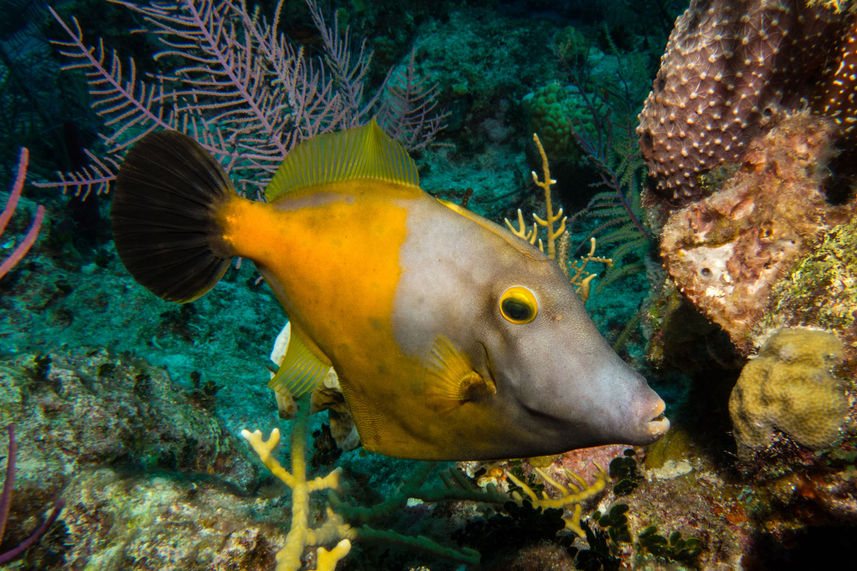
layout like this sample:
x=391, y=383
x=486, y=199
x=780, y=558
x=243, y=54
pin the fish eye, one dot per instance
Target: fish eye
x=518, y=305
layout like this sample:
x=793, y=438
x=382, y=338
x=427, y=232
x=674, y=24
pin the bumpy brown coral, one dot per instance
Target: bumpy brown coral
x=728, y=66
x=789, y=388
x=725, y=252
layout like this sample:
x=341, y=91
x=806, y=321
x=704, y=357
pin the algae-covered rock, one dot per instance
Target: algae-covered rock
x=727, y=252
x=822, y=291
x=790, y=388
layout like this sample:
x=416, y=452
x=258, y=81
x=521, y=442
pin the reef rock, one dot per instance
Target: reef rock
x=726, y=252
x=822, y=290
x=790, y=388
x=150, y=477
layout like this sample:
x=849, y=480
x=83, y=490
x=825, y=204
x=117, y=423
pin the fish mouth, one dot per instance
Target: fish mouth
x=658, y=425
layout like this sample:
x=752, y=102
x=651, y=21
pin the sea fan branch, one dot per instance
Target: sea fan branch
x=348, y=78
x=409, y=111
x=237, y=86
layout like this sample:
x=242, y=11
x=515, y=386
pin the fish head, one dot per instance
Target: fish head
x=549, y=381
x=558, y=375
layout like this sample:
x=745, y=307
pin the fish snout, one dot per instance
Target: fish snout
x=654, y=423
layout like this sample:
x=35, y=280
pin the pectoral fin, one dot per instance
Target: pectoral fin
x=453, y=381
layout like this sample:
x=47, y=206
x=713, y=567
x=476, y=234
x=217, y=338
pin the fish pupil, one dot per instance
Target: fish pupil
x=516, y=310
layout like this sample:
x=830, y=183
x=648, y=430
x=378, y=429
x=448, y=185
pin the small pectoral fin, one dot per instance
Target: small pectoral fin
x=301, y=369
x=453, y=380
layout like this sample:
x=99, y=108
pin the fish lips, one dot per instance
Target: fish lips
x=654, y=422
x=636, y=414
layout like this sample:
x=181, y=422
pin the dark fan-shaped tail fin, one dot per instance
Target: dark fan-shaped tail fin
x=168, y=194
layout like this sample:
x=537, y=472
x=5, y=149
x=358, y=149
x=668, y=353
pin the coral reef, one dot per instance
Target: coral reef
x=727, y=251
x=789, y=388
x=551, y=112
x=138, y=521
x=6, y=500
x=474, y=76
x=137, y=464
x=134, y=418
x=727, y=67
x=821, y=290
x=149, y=462
x=639, y=526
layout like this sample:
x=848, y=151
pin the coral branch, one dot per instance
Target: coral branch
x=237, y=86
x=301, y=534
x=550, y=217
x=11, y=205
x=568, y=497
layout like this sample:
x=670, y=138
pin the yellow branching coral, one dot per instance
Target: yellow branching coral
x=576, y=271
x=551, y=217
x=301, y=534
x=572, y=494
x=344, y=522
x=556, y=250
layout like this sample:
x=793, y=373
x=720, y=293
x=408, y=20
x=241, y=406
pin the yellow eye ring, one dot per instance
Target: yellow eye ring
x=518, y=305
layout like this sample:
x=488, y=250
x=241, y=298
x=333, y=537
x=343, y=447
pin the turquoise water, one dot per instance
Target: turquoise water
x=129, y=410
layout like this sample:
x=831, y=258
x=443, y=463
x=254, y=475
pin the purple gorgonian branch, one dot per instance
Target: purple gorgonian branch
x=239, y=87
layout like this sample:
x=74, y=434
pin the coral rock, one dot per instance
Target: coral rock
x=822, y=291
x=727, y=251
x=729, y=65
x=789, y=388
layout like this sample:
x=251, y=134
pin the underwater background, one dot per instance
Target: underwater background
x=707, y=147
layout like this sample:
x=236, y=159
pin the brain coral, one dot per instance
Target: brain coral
x=789, y=388
x=730, y=64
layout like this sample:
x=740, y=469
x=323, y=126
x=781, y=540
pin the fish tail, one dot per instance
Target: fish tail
x=165, y=214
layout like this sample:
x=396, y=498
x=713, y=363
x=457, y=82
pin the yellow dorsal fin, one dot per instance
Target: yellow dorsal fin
x=454, y=381
x=362, y=152
x=301, y=369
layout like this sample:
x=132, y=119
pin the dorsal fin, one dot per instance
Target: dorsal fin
x=362, y=152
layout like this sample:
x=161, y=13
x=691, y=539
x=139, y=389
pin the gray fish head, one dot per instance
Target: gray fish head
x=557, y=375
x=552, y=383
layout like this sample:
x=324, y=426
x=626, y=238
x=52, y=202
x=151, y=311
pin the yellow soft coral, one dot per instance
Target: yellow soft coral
x=574, y=494
x=301, y=534
x=576, y=273
x=789, y=387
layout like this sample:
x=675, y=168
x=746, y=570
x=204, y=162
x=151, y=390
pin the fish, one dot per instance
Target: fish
x=452, y=338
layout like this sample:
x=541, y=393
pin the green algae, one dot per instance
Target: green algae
x=822, y=288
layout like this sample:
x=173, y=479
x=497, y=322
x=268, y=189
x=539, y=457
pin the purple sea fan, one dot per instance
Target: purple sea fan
x=239, y=87
x=30, y=238
x=6, y=500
